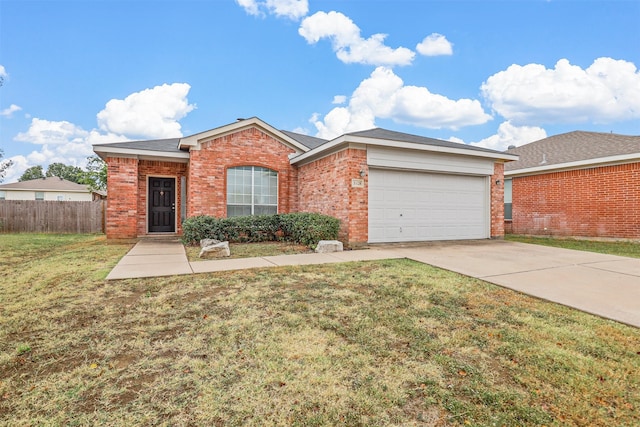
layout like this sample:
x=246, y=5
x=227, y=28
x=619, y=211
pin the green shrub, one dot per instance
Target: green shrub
x=309, y=228
x=304, y=228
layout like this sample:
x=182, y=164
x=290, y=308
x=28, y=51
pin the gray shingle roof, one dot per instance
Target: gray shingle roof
x=46, y=184
x=379, y=133
x=166, y=145
x=306, y=140
x=572, y=147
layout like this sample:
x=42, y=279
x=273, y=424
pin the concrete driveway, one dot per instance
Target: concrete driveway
x=606, y=285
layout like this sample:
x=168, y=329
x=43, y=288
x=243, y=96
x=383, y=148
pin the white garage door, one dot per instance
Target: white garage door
x=419, y=206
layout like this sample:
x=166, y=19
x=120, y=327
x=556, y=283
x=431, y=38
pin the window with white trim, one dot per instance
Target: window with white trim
x=3, y=195
x=39, y=195
x=251, y=190
x=507, y=199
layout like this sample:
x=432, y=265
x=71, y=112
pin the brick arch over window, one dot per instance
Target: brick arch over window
x=251, y=190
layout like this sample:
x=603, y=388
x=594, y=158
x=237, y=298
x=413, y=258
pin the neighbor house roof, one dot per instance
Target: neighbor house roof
x=578, y=149
x=46, y=184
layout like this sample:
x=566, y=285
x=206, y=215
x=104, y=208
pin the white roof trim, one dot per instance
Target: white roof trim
x=344, y=139
x=581, y=164
x=104, y=150
x=194, y=140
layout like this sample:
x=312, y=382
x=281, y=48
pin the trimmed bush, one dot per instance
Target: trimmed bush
x=304, y=228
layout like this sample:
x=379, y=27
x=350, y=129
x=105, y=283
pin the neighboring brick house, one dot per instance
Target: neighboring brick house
x=384, y=186
x=580, y=184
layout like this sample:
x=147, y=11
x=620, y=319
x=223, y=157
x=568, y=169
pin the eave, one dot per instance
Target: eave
x=345, y=141
x=582, y=164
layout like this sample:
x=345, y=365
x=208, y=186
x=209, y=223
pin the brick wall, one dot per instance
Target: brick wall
x=597, y=202
x=325, y=187
x=148, y=169
x=122, y=198
x=207, y=172
x=497, y=201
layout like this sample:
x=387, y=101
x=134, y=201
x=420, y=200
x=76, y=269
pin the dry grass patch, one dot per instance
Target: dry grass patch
x=250, y=250
x=371, y=343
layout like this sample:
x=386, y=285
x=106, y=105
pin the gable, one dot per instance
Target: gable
x=195, y=142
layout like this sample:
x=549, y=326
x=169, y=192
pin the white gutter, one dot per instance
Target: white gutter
x=581, y=164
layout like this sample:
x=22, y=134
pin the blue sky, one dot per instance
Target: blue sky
x=489, y=73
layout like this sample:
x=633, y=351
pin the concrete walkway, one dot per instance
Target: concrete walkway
x=605, y=285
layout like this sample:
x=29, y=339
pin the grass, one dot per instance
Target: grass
x=623, y=248
x=249, y=250
x=353, y=344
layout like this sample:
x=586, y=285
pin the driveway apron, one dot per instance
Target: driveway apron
x=605, y=285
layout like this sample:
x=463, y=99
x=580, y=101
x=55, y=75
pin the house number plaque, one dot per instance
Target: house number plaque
x=357, y=183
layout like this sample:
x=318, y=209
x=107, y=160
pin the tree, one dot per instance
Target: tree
x=70, y=173
x=96, y=173
x=4, y=166
x=34, y=172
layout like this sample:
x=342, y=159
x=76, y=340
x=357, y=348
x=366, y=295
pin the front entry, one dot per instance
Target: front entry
x=162, y=205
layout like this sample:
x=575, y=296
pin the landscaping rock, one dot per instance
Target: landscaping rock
x=328, y=246
x=208, y=242
x=217, y=250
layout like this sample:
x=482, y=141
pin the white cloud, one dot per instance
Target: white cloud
x=151, y=113
x=51, y=132
x=508, y=134
x=292, y=9
x=3, y=71
x=435, y=45
x=8, y=112
x=347, y=42
x=339, y=99
x=250, y=6
x=384, y=95
x=607, y=91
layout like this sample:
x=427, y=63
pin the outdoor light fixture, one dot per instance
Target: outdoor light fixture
x=362, y=173
x=497, y=182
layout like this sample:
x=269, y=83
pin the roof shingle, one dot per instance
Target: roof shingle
x=572, y=147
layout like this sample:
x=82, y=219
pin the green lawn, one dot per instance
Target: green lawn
x=628, y=248
x=370, y=344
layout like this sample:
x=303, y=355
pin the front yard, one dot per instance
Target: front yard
x=370, y=343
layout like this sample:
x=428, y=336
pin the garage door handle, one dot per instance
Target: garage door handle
x=400, y=214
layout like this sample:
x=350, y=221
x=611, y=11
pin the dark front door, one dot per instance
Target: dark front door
x=162, y=205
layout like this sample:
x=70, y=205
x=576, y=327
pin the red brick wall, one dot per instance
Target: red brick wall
x=122, y=198
x=497, y=201
x=325, y=187
x=207, y=172
x=597, y=202
x=148, y=169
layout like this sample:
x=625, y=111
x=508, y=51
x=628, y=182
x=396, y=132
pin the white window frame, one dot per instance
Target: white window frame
x=508, y=198
x=252, y=195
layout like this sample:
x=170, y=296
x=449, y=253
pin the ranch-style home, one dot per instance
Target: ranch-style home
x=580, y=184
x=384, y=186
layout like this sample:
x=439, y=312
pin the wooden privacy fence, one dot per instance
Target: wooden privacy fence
x=40, y=216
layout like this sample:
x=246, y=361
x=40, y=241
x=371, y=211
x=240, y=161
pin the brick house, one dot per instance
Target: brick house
x=384, y=186
x=580, y=184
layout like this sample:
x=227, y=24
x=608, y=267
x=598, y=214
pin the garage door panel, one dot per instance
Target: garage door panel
x=418, y=206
